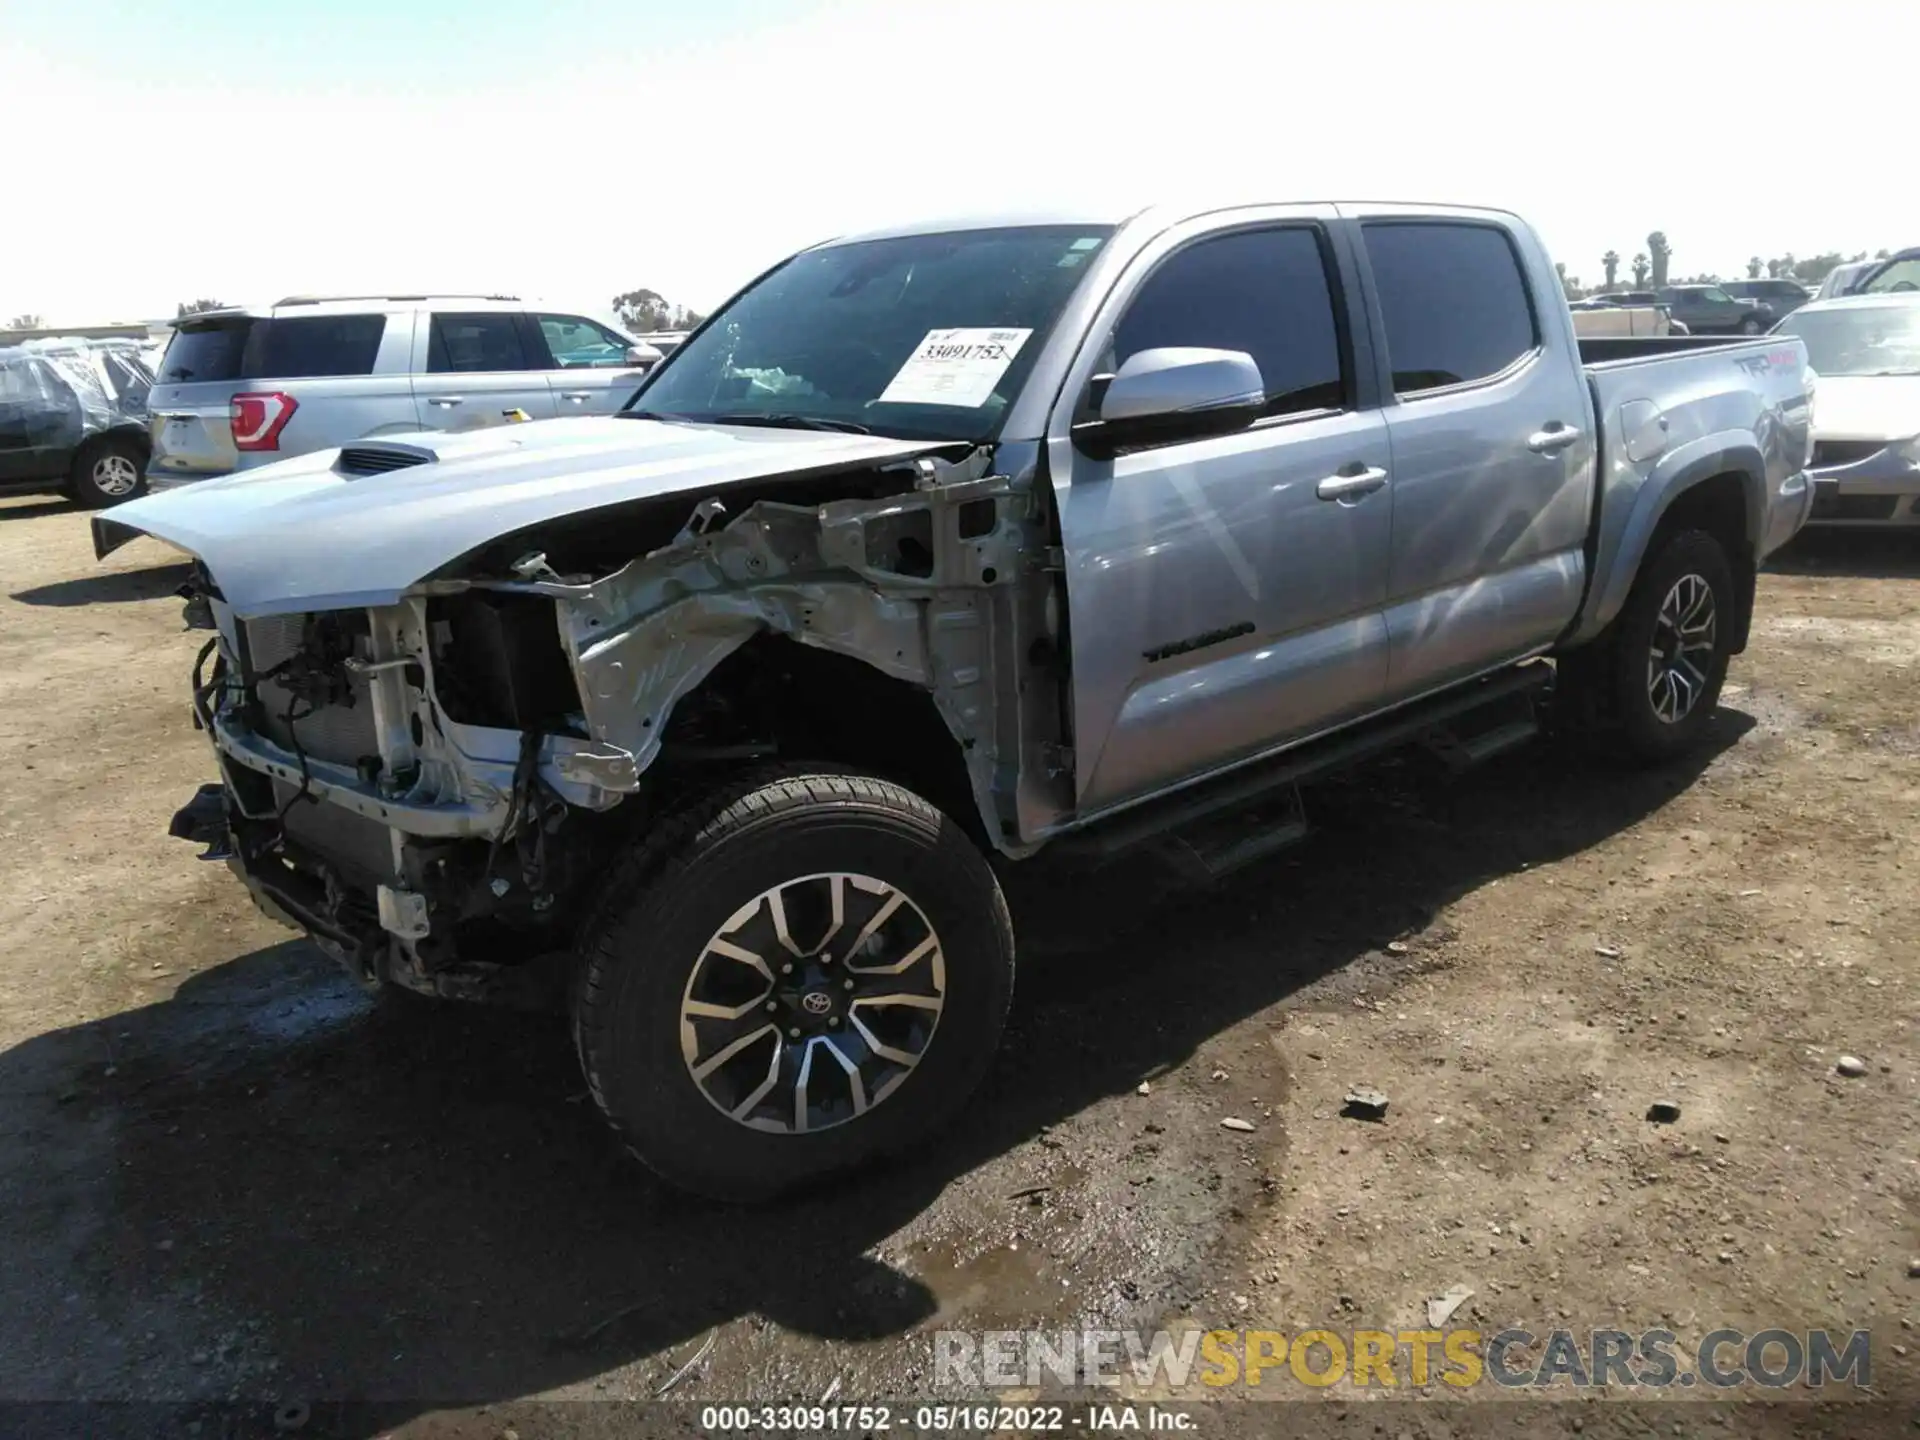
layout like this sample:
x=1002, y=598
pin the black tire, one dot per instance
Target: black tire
x=103, y=467
x=1670, y=583
x=1751, y=327
x=702, y=870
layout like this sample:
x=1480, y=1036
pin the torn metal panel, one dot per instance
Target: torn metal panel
x=932, y=587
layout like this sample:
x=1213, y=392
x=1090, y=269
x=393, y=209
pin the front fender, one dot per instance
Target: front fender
x=1627, y=530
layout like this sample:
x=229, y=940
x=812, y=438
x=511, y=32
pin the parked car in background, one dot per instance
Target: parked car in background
x=1781, y=296
x=1866, y=429
x=1629, y=300
x=73, y=419
x=938, y=541
x=1710, y=310
x=1842, y=279
x=244, y=387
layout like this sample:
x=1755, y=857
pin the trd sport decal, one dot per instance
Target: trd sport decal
x=1198, y=642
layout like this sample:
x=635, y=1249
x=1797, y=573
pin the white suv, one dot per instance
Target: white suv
x=244, y=387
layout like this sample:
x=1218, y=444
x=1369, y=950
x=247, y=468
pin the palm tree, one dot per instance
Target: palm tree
x=1661, y=251
x=1640, y=272
x=1611, y=260
x=1754, y=266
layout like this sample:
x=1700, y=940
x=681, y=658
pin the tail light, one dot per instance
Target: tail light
x=257, y=417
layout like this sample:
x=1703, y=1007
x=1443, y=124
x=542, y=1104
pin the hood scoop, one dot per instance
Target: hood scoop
x=380, y=457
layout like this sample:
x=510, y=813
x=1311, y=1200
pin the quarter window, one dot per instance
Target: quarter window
x=1263, y=292
x=1454, y=302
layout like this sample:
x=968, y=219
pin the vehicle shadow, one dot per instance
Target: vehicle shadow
x=35, y=510
x=1892, y=554
x=109, y=588
x=426, y=1210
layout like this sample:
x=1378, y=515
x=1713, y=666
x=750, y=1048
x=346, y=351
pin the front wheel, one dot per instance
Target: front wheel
x=796, y=975
x=1670, y=647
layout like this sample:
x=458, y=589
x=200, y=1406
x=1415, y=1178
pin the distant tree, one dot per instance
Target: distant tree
x=1883, y=254
x=25, y=322
x=1640, y=272
x=1568, y=288
x=1611, y=262
x=1773, y=269
x=1816, y=267
x=1661, y=252
x=196, y=307
x=1754, y=266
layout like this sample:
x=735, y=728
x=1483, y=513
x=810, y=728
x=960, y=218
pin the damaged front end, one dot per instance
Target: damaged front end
x=430, y=787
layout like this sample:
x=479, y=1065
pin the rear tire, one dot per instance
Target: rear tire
x=1750, y=327
x=107, y=472
x=1668, y=652
x=740, y=1064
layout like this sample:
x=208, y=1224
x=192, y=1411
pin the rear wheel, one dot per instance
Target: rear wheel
x=1669, y=651
x=107, y=472
x=799, y=973
x=1750, y=326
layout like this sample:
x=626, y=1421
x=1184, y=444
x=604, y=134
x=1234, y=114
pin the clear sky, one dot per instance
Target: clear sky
x=170, y=149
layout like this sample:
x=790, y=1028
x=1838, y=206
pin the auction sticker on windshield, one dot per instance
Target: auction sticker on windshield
x=955, y=367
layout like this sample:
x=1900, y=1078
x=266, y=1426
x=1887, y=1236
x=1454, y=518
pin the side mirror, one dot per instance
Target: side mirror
x=642, y=357
x=1176, y=392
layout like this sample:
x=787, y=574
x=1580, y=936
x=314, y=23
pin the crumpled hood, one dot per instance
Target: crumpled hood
x=304, y=535
x=1867, y=407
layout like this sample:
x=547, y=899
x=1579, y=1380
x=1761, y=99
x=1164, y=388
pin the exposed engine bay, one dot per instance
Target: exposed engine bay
x=430, y=787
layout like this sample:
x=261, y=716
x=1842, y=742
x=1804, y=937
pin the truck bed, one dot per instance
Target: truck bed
x=1612, y=349
x=1672, y=410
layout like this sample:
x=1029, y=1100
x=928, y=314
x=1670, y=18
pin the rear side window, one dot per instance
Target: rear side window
x=464, y=343
x=1454, y=301
x=206, y=352
x=309, y=346
x=1264, y=292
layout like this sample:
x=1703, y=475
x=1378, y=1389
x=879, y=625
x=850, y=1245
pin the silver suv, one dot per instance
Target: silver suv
x=244, y=387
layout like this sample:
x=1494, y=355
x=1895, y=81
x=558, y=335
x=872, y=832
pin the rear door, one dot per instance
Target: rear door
x=1490, y=427
x=478, y=368
x=586, y=363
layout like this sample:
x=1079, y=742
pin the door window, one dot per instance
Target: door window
x=1453, y=299
x=460, y=344
x=1263, y=292
x=578, y=343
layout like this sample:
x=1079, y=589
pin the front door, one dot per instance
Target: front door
x=1492, y=449
x=1224, y=591
x=476, y=371
x=588, y=370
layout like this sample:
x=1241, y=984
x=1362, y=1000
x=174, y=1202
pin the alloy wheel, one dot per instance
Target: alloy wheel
x=115, y=475
x=1681, y=655
x=812, y=1003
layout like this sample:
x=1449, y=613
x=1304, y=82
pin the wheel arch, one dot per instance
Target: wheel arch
x=1716, y=484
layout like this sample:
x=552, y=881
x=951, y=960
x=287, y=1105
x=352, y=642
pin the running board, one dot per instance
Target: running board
x=1468, y=724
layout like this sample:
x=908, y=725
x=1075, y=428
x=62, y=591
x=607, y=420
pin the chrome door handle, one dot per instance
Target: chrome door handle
x=576, y=394
x=445, y=402
x=1552, y=440
x=1351, y=486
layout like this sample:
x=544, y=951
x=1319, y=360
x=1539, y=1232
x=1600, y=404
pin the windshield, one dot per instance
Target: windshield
x=1871, y=340
x=1900, y=274
x=923, y=336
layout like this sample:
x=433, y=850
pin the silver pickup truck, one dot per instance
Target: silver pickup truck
x=933, y=548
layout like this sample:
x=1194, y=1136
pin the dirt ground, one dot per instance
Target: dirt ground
x=224, y=1176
